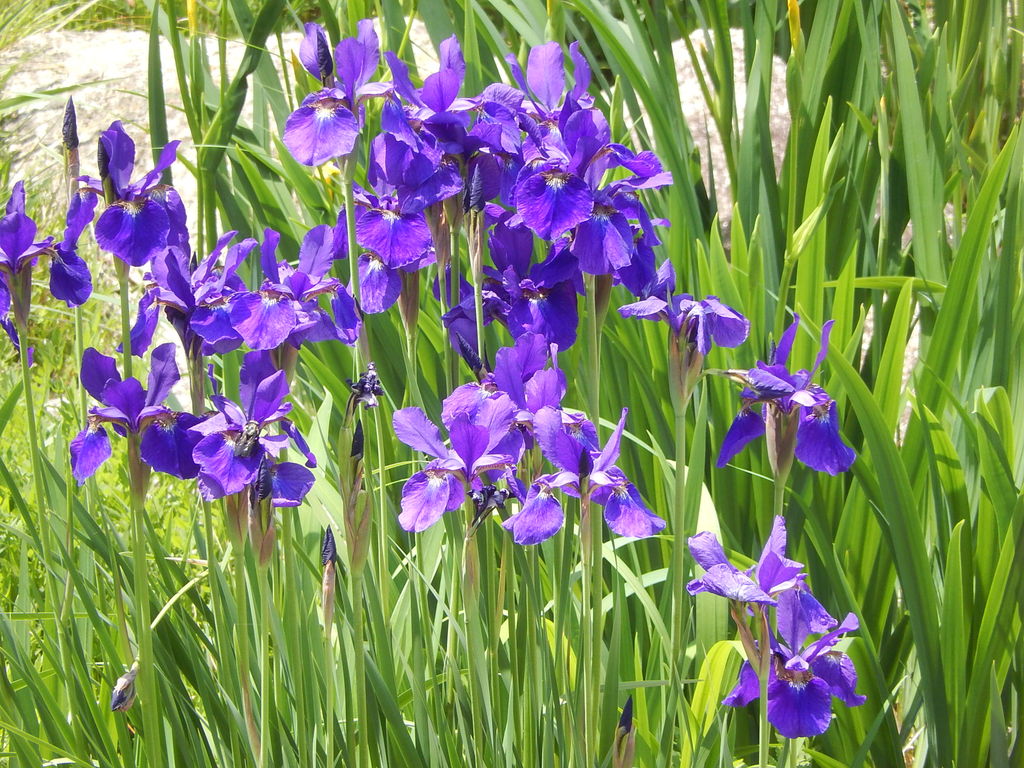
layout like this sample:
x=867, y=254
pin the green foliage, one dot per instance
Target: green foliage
x=898, y=211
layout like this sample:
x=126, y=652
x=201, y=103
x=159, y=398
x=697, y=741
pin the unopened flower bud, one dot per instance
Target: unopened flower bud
x=70, y=127
x=324, y=62
x=475, y=197
x=262, y=532
x=328, y=557
x=102, y=159
x=123, y=694
x=624, y=745
x=780, y=434
x=357, y=442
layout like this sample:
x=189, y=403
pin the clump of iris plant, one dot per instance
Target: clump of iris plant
x=799, y=676
x=796, y=416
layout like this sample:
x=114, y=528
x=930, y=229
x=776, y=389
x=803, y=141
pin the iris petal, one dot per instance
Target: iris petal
x=540, y=518
x=320, y=130
x=818, y=444
x=89, y=449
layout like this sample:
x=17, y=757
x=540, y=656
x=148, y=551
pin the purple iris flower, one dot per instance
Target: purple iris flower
x=286, y=307
x=566, y=154
x=544, y=82
x=134, y=226
x=194, y=299
x=700, y=323
x=585, y=470
x=414, y=178
x=326, y=124
x=802, y=677
x=435, y=109
x=794, y=410
x=524, y=296
x=520, y=373
x=19, y=251
x=166, y=440
x=773, y=573
x=233, y=441
x=481, y=446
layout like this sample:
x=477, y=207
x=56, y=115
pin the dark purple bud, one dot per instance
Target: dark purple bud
x=324, y=61
x=263, y=484
x=476, y=197
x=328, y=549
x=70, y=129
x=357, y=442
x=626, y=720
x=624, y=746
x=467, y=353
x=102, y=159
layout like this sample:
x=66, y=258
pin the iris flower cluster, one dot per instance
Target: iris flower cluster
x=494, y=426
x=237, y=446
x=535, y=161
x=803, y=674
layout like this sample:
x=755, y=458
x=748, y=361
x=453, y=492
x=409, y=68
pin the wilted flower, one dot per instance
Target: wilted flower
x=122, y=696
x=366, y=390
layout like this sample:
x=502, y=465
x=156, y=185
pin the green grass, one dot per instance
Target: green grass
x=923, y=539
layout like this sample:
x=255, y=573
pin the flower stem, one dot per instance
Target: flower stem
x=126, y=320
x=266, y=687
x=359, y=649
x=765, y=656
x=143, y=633
x=329, y=672
x=242, y=623
x=680, y=605
x=591, y=623
x=42, y=499
x=780, y=495
x=593, y=353
x=350, y=226
x=474, y=633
